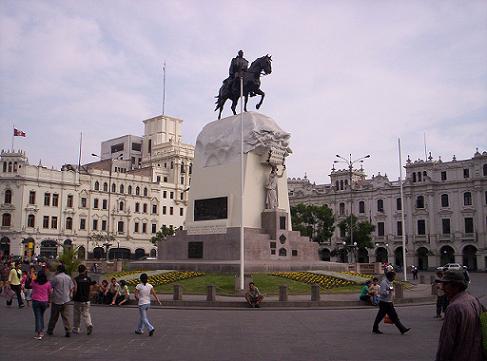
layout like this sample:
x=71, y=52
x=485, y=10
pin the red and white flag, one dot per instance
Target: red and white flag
x=19, y=133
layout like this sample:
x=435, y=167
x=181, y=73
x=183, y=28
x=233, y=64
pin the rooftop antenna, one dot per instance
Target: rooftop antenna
x=163, y=87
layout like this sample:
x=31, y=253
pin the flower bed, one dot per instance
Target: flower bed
x=324, y=281
x=122, y=274
x=357, y=274
x=166, y=278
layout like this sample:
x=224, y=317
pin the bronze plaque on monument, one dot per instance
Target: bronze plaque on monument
x=210, y=209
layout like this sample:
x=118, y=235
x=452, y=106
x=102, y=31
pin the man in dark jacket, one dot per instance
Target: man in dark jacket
x=81, y=298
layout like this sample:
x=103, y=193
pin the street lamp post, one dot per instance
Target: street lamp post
x=349, y=162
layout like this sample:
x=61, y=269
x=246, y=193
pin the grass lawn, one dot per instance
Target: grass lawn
x=267, y=284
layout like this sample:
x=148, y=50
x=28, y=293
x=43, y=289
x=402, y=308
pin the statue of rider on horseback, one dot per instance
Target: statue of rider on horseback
x=239, y=69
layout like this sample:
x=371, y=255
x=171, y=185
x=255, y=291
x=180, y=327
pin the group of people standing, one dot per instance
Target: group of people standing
x=57, y=293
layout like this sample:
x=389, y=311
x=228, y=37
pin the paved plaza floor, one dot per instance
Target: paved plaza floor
x=231, y=334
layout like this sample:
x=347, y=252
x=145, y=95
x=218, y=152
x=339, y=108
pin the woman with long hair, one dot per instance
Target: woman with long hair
x=41, y=290
x=143, y=292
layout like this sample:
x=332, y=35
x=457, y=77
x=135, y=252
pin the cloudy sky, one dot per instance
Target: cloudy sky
x=348, y=76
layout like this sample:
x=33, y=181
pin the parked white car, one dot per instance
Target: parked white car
x=450, y=266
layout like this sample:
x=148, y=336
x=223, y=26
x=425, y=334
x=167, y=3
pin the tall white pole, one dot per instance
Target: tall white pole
x=13, y=136
x=242, y=243
x=163, y=88
x=402, y=213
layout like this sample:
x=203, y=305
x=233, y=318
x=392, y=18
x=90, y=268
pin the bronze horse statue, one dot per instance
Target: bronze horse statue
x=251, y=85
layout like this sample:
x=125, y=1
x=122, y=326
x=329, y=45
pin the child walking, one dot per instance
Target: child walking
x=143, y=292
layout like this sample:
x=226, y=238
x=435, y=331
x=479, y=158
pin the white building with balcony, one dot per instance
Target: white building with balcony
x=445, y=210
x=115, y=198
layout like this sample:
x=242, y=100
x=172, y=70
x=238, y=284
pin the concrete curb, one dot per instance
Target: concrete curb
x=289, y=305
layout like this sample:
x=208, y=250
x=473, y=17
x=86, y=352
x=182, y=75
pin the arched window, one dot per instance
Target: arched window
x=419, y=202
x=10, y=167
x=6, y=220
x=121, y=206
x=467, y=199
x=153, y=253
x=414, y=177
x=69, y=223
x=444, y=200
x=337, y=185
x=485, y=170
x=282, y=252
x=122, y=189
x=145, y=192
x=31, y=221
x=341, y=185
x=105, y=187
x=4, y=167
x=97, y=186
x=137, y=207
x=342, y=209
x=129, y=190
x=361, y=207
x=114, y=188
x=419, y=176
x=137, y=191
x=380, y=205
x=8, y=196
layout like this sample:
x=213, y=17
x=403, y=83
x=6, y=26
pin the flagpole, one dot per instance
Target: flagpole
x=163, y=87
x=13, y=136
x=403, y=225
x=242, y=241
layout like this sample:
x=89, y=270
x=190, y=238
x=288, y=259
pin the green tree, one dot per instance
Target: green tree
x=315, y=222
x=362, y=231
x=69, y=258
x=163, y=233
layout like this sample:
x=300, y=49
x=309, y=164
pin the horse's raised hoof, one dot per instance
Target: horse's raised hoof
x=257, y=106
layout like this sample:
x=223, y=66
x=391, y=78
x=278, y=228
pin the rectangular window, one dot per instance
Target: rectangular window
x=443, y=176
x=154, y=209
x=171, y=195
x=136, y=227
x=158, y=179
x=181, y=211
x=104, y=204
x=103, y=225
x=144, y=227
x=466, y=173
x=399, y=204
x=54, y=222
x=95, y=224
x=154, y=228
x=468, y=225
x=399, y=228
x=445, y=226
x=47, y=199
x=380, y=229
x=120, y=227
x=182, y=180
x=31, y=221
x=164, y=194
x=45, y=222
x=83, y=202
x=32, y=197
x=55, y=200
x=95, y=203
x=69, y=202
x=421, y=227
x=165, y=179
x=82, y=224
x=171, y=211
x=164, y=208
x=144, y=208
x=273, y=244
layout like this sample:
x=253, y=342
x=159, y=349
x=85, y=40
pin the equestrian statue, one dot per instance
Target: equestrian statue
x=239, y=68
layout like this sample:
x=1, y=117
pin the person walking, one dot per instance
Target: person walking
x=460, y=335
x=14, y=278
x=441, y=300
x=143, y=293
x=62, y=289
x=81, y=298
x=386, y=306
x=41, y=290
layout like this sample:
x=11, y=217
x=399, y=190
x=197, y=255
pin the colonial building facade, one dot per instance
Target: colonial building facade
x=445, y=212
x=114, y=205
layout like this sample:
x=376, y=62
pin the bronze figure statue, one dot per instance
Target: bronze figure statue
x=239, y=68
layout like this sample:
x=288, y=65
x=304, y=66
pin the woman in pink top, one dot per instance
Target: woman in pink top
x=41, y=289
